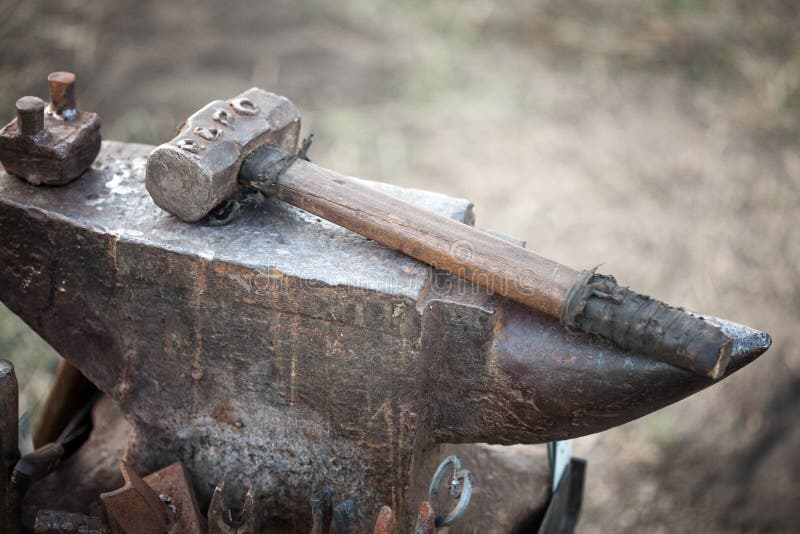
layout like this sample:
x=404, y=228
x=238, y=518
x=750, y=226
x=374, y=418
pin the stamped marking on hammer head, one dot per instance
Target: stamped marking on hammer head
x=198, y=169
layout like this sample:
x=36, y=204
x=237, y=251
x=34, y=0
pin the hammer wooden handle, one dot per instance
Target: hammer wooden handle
x=446, y=244
x=504, y=268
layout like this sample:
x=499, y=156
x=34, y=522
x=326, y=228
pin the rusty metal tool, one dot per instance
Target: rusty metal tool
x=223, y=519
x=426, y=519
x=69, y=394
x=249, y=141
x=39, y=463
x=58, y=522
x=135, y=507
x=173, y=485
x=383, y=525
x=50, y=145
x=379, y=359
x=160, y=502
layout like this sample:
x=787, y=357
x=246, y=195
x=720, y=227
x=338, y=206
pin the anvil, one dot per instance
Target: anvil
x=285, y=353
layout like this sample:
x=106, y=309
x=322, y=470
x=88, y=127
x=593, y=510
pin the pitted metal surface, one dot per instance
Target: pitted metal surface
x=284, y=353
x=271, y=237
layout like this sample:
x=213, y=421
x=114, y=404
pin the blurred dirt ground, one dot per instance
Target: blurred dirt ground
x=661, y=139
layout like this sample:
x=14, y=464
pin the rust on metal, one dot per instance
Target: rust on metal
x=135, y=508
x=195, y=171
x=190, y=176
x=35, y=465
x=62, y=94
x=70, y=391
x=173, y=485
x=50, y=145
x=335, y=348
x=30, y=115
x=58, y=522
x=426, y=519
x=224, y=518
x=383, y=525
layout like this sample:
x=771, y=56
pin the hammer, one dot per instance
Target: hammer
x=251, y=141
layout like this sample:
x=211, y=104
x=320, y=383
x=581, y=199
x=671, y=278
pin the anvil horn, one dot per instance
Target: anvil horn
x=282, y=344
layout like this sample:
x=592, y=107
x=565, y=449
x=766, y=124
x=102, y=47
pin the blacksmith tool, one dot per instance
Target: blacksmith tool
x=70, y=393
x=135, y=507
x=383, y=525
x=250, y=141
x=341, y=361
x=51, y=144
x=163, y=501
x=39, y=463
x=224, y=518
x=426, y=519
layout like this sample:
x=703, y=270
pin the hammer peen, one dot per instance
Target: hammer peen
x=251, y=141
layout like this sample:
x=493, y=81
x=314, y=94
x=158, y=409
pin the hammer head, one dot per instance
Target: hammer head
x=198, y=169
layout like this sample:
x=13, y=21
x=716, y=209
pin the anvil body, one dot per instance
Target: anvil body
x=284, y=352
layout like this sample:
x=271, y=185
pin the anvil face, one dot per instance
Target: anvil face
x=284, y=352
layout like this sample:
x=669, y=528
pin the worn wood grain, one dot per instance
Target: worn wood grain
x=503, y=267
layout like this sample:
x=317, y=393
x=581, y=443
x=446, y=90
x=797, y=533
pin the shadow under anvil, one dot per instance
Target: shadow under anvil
x=285, y=352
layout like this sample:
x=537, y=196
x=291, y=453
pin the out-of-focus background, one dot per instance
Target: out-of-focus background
x=659, y=138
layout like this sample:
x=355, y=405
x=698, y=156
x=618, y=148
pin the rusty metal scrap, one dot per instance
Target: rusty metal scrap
x=135, y=508
x=383, y=525
x=35, y=466
x=225, y=518
x=163, y=501
x=173, y=485
x=51, y=144
x=426, y=519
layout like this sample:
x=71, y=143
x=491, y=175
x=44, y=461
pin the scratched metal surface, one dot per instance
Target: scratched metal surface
x=350, y=382
x=271, y=236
